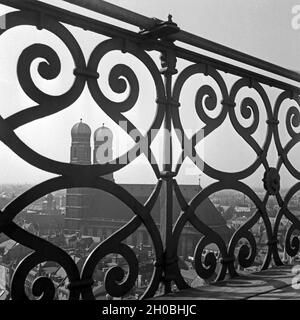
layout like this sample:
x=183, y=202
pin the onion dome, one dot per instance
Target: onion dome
x=81, y=131
x=103, y=134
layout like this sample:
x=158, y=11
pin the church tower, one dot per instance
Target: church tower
x=77, y=199
x=103, y=139
x=81, y=143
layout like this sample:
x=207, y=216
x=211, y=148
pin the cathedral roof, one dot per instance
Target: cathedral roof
x=81, y=130
x=116, y=210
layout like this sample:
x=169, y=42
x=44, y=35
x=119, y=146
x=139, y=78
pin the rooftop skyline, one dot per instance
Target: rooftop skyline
x=249, y=27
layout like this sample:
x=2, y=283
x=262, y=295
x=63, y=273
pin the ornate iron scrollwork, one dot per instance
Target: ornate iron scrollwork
x=271, y=181
x=219, y=98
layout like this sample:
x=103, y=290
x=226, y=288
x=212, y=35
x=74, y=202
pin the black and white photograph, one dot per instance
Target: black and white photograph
x=149, y=153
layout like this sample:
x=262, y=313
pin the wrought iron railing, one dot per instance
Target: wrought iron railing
x=160, y=37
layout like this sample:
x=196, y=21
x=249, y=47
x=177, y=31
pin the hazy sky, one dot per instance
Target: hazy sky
x=258, y=27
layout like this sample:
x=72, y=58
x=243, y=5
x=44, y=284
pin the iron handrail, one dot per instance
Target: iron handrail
x=144, y=22
x=109, y=30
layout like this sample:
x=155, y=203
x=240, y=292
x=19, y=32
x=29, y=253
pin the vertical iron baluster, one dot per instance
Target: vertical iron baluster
x=168, y=63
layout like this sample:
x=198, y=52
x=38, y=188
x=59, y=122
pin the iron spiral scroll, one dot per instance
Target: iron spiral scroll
x=122, y=78
x=71, y=175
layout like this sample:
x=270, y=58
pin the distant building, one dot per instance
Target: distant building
x=44, y=215
x=11, y=251
x=241, y=211
x=97, y=213
x=44, y=223
x=5, y=276
x=49, y=205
